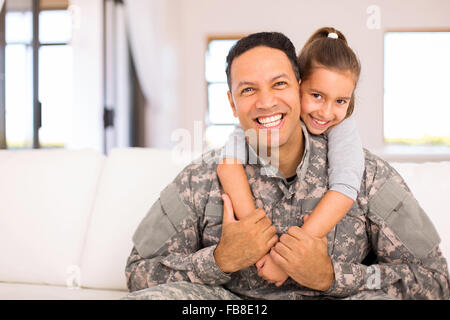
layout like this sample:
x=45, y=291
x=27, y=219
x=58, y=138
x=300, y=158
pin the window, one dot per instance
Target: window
x=43, y=65
x=416, y=86
x=220, y=120
x=19, y=77
x=55, y=77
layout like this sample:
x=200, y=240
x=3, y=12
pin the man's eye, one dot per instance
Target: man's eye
x=280, y=84
x=317, y=95
x=246, y=90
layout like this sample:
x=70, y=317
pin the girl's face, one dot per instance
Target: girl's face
x=325, y=98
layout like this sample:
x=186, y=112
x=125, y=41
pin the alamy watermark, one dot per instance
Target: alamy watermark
x=265, y=143
x=373, y=282
x=73, y=280
x=374, y=19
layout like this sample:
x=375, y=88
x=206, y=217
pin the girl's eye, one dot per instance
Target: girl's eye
x=341, y=101
x=317, y=95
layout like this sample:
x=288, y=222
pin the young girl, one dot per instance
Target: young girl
x=329, y=71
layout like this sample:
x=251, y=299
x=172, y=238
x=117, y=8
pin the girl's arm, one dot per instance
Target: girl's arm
x=345, y=171
x=234, y=182
x=328, y=212
x=232, y=175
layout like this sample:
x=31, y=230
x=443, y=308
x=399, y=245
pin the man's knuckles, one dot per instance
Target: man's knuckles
x=277, y=258
x=264, y=223
x=271, y=243
x=284, y=238
x=281, y=248
x=290, y=241
x=272, y=230
x=295, y=231
x=258, y=214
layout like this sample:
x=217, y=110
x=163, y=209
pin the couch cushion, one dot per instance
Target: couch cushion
x=429, y=183
x=46, y=199
x=131, y=182
x=16, y=291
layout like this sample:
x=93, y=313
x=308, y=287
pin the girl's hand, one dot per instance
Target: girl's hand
x=305, y=218
x=270, y=271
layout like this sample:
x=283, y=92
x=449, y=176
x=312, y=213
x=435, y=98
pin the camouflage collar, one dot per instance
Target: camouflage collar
x=268, y=170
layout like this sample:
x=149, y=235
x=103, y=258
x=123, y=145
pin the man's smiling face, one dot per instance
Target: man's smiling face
x=265, y=93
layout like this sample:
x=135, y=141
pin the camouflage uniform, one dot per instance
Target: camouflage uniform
x=182, y=290
x=176, y=240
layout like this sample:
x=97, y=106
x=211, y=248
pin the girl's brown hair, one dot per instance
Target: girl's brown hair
x=323, y=51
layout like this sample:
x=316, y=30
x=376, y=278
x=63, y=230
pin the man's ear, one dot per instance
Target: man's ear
x=300, y=87
x=233, y=107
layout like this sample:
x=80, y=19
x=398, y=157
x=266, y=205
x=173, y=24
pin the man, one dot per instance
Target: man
x=190, y=246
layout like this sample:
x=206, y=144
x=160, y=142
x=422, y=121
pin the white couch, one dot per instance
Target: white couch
x=67, y=217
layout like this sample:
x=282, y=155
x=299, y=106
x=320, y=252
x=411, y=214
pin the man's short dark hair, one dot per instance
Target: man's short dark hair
x=275, y=40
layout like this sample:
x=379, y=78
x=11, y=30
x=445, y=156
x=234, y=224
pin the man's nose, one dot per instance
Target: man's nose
x=266, y=99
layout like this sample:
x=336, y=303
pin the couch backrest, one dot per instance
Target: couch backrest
x=131, y=182
x=46, y=198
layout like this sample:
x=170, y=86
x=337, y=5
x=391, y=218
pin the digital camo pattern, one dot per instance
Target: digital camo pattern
x=182, y=291
x=188, y=255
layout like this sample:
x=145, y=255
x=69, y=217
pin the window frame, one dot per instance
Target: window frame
x=37, y=6
x=405, y=153
x=2, y=76
x=209, y=39
x=208, y=123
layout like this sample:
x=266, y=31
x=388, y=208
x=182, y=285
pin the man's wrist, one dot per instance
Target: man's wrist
x=222, y=263
x=328, y=279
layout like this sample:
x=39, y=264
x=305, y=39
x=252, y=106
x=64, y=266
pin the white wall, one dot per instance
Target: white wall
x=298, y=19
x=155, y=31
x=174, y=34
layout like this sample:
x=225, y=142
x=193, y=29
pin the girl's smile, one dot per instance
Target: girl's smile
x=325, y=97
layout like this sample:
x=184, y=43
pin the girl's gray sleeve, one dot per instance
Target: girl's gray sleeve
x=235, y=146
x=345, y=158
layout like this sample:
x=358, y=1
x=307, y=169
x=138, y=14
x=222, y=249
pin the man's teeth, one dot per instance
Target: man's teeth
x=271, y=124
x=267, y=120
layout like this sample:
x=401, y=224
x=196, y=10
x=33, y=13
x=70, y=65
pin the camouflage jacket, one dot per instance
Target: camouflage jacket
x=177, y=238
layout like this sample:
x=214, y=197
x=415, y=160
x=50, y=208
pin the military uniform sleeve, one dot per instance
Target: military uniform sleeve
x=409, y=263
x=167, y=245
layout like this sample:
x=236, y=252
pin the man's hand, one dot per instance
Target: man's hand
x=304, y=258
x=243, y=242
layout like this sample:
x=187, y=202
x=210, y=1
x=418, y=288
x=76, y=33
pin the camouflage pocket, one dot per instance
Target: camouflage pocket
x=161, y=223
x=308, y=205
x=404, y=216
x=214, y=210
